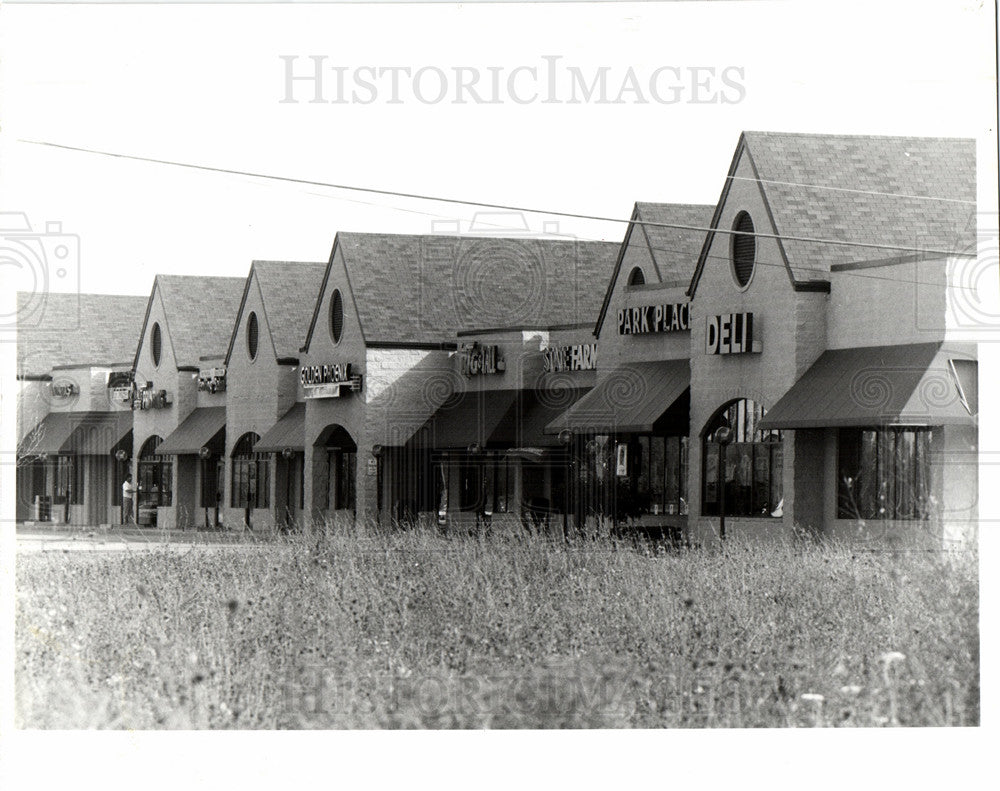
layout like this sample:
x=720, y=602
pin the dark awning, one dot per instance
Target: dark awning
x=917, y=384
x=81, y=433
x=288, y=432
x=204, y=427
x=524, y=422
x=465, y=419
x=633, y=398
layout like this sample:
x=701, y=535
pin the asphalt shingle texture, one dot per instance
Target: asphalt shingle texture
x=200, y=313
x=75, y=329
x=912, y=192
x=424, y=289
x=289, y=290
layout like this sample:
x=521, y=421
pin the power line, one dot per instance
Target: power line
x=848, y=189
x=461, y=202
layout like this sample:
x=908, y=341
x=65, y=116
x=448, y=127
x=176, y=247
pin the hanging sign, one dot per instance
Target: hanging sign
x=148, y=398
x=480, y=359
x=730, y=333
x=212, y=380
x=647, y=319
x=578, y=357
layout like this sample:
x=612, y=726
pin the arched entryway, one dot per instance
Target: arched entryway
x=155, y=480
x=251, y=480
x=751, y=459
x=337, y=452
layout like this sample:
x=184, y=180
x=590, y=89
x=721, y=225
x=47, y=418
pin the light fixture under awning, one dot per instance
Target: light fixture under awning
x=919, y=384
x=633, y=398
x=204, y=427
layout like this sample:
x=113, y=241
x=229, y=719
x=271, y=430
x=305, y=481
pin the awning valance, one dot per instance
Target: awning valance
x=915, y=384
x=525, y=420
x=80, y=433
x=288, y=432
x=204, y=427
x=465, y=419
x=633, y=398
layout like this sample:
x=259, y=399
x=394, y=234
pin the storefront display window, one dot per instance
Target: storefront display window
x=636, y=475
x=155, y=475
x=884, y=473
x=69, y=480
x=752, y=463
x=251, y=475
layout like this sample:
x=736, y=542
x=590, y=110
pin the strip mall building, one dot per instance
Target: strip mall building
x=789, y=360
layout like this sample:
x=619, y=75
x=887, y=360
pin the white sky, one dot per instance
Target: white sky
x=203, y=84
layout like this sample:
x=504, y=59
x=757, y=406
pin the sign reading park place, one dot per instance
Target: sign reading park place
x=578, y=357
x=647, y=319
x=479, y=359
x=326, y=381
x=730, y=333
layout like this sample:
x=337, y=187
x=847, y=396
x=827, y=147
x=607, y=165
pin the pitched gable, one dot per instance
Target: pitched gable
x=199, y=313
x=897, y=195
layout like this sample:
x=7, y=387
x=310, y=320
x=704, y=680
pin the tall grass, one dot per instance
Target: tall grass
x=412, y=630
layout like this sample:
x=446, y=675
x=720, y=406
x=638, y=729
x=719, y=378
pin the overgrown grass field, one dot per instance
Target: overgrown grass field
x=417, y=631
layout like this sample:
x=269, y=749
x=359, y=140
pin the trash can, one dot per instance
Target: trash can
x=43, y=508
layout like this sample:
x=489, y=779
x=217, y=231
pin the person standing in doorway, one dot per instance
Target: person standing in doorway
x=128, y=499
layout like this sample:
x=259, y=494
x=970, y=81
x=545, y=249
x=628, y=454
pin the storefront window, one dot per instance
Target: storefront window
x=251, y=475
x=884, y=473
x=69, y=480
x=631, y=476
x=155, y=475
x=752, y=464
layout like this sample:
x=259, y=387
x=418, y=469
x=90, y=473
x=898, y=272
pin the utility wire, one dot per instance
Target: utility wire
x=460, y=202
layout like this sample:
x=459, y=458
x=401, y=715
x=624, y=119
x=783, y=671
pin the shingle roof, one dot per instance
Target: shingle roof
x=289, y=289
x=75, y=329
x=912, y=192
x=424, y=289
x=674, y=250
x=199, y=313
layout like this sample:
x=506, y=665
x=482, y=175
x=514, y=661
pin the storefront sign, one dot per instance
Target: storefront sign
x=120, y=389
x=213, y=380
x=148, y=398
x=730, y=333
x=647, y=319
x=578, y=357
x=480, y=359
x=326, y=381
x=64, y=389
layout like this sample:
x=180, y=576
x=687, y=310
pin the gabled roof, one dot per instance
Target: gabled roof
x=424, y=289
x=75, y=329
x=199, y=314
x=917, y=193
x=287, y=288
x=674, y=250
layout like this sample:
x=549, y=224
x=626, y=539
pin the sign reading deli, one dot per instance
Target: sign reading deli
x=578, y=357
x=326, y=381
x=730, y=333
x=479, y=359
x=647, y=319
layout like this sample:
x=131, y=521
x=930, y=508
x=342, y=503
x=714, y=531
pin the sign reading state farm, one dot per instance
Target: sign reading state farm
x=646, y=319
x=325, y=381
x=578, y=357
